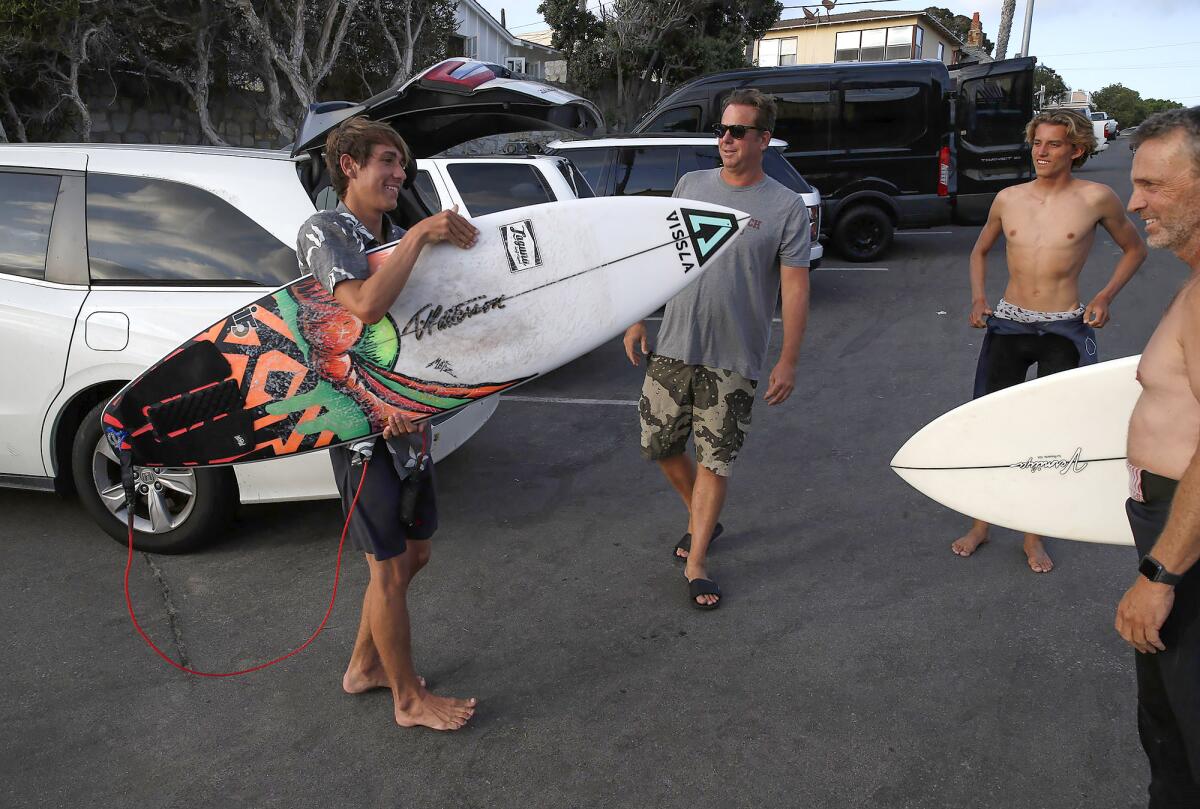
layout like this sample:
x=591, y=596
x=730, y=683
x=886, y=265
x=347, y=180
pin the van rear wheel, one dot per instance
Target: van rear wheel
x=863, y=233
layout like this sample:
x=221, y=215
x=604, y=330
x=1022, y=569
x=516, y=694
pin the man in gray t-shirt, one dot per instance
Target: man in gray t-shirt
x=713, y=341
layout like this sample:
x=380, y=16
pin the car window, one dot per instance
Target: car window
x=997, y=108
x=590, y=162
x=146, y=231
x=681, y=119
x=645, y=171
x=428, y=194
x=698, y=158
x=26, y=209
x=882, y=117
x=574, y=179
x=490, y=187
x=804, y=119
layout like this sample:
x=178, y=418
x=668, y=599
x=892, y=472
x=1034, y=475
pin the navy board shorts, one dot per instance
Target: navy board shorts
x=379, y=525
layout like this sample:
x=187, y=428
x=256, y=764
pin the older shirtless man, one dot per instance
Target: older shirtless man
x=1160, y=614
x=1049, y=225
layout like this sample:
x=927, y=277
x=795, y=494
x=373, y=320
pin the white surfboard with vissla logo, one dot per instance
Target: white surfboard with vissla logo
x=548, y=283
x=1047, y=456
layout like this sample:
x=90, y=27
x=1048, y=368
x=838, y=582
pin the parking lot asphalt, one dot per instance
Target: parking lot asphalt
x=855, y=661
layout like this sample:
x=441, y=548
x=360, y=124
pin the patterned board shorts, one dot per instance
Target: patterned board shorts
x=711, y=403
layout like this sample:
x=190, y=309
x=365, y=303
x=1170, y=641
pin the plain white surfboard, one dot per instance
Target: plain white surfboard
x=548, y=283
x=1046, y=456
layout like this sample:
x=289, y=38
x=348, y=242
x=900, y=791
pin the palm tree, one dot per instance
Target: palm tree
x=1006, y=16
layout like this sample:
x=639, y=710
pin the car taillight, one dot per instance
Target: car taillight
x=814, y=221
x=944, y=172
x=458, y=75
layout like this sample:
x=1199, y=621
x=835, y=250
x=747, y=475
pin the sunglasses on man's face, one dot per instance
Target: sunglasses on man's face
x=737, y=130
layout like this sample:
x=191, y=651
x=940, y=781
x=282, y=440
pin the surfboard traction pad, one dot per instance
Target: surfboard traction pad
x=292, y=372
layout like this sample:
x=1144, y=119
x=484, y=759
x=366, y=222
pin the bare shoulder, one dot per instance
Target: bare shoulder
x=1096, y=194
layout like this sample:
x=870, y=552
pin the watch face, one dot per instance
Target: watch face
x=1149, y=568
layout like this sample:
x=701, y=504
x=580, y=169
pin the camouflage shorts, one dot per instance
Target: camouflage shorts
x=678, y=399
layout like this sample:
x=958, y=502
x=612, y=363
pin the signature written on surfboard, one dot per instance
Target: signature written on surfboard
x=429, y=318
x=1056, y=463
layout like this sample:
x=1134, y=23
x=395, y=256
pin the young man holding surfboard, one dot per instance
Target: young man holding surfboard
x=1049, y=225
x=714, y=335
x=1160, y=614
x=395, y=514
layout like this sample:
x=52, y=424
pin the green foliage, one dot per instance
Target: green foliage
x=1128, y=106
x=957, y=24
x=636, y=50
x=1056, y=88
x=1120, y=103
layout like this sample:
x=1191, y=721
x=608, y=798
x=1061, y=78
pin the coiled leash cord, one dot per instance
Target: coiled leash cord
x=128, y=481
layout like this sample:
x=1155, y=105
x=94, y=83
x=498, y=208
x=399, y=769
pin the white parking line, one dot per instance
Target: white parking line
x=656, y=317
x=851, y=269
x=556, y=400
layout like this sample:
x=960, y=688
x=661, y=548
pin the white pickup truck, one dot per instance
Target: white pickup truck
x=1111, y=127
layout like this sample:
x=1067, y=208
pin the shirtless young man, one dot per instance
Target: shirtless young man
x=1049, y=225
x=1160, y=614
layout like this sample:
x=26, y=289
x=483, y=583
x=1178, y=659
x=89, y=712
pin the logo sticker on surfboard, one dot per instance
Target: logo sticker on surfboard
x=520, y=246
x=700, y=234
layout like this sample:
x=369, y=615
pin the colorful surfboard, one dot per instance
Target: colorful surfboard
x=295, y=372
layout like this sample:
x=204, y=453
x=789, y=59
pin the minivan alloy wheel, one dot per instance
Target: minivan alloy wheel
x=164, y=497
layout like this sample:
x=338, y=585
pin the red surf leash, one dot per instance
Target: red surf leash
x=127, y=478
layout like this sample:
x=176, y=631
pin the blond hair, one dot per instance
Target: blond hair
x=1080, y=133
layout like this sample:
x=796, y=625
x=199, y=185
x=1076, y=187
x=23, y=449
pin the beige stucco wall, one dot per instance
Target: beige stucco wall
x=815, y=44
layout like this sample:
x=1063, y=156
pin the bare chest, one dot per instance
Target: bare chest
x=1161, y=370
x=1031, y=222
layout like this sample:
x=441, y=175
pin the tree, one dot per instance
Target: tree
x=417, y=32
x=577, y=33
x=45, y=49
x=1056, y=88
x=957, y=24
x=1007, y=9
x=301, y=43
x=640, y=48
x=1153, y=105
x=1120, y=103
x=181, y=41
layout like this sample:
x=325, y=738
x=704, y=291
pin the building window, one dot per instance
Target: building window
x=846, y=46
x=919, y=43
x=941, y=52
x=787, y=51
x=515, y=63
x=471, y=47
x=878, y=44
x=768, y=52
x=900, y=42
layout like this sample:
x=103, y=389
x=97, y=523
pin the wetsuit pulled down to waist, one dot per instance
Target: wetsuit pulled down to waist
x=1017, y=338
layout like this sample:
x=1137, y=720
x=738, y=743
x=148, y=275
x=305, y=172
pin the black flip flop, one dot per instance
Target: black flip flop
x=685, y=542
x=703, y=587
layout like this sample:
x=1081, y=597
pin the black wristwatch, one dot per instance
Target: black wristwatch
x=1153, y=570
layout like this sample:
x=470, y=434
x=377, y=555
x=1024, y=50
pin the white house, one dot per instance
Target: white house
x=481, y=36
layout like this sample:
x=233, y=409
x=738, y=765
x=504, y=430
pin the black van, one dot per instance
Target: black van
x=907, y=144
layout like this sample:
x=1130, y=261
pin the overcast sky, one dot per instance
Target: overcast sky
x=1152, y=46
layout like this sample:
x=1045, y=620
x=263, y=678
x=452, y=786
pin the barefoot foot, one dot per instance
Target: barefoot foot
x=969, y=542
x=431, y=711
x=359, y=682
x=1035, y=552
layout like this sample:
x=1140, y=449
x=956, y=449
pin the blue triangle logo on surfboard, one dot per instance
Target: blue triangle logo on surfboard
x=708, y=230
